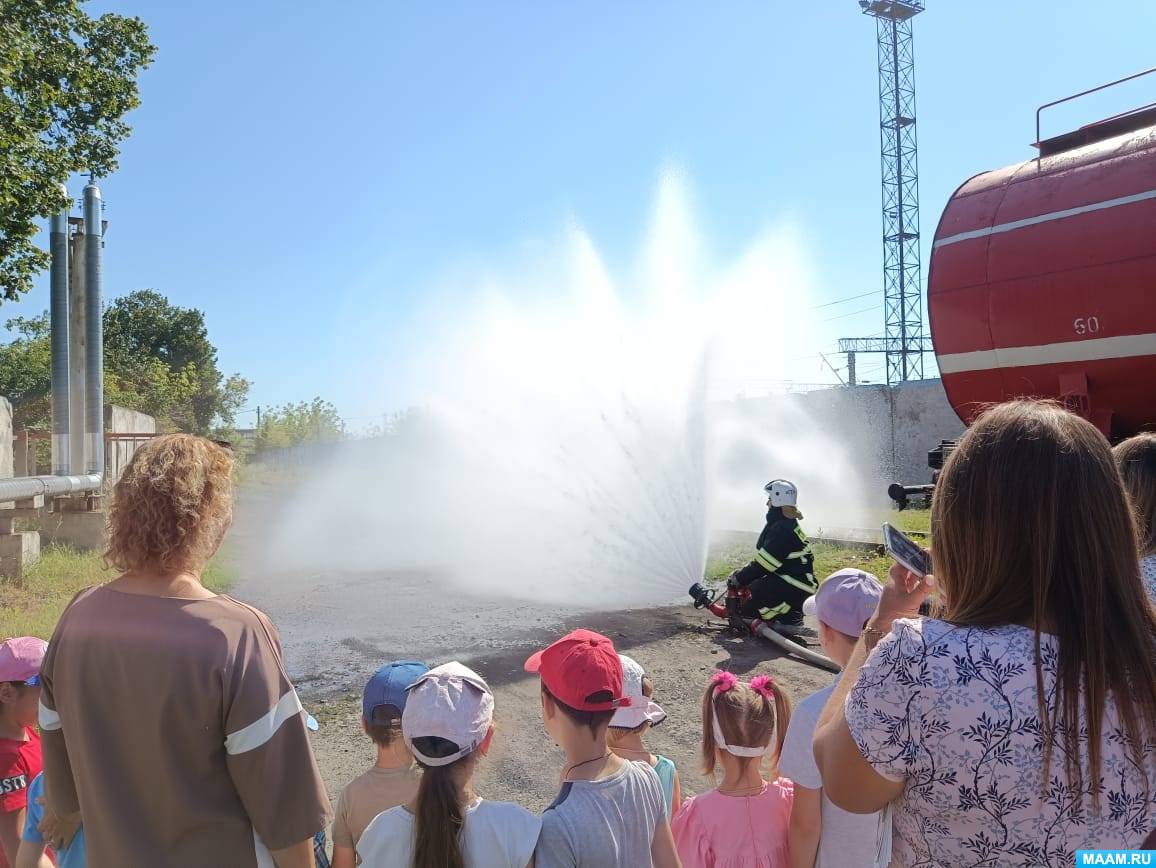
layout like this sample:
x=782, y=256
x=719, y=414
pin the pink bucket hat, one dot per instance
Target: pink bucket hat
x=20, y=659
x=450, y=701
x=641, y=708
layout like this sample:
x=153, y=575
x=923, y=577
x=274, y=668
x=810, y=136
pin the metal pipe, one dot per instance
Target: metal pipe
x=94, y=328
x=58, y=324
x=49, y=486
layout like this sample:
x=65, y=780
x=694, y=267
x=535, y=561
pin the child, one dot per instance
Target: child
x=394, y=778
x=823, y=835
x=448, y=725
x=20, y=761
x=631, y=722
x=32, y=843
x=609, y=811
x=744, y=820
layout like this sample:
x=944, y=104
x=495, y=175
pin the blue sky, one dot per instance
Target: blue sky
x=290, y=158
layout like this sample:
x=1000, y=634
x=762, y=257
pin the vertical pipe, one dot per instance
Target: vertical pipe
x=58, y=325
x=94, y=326
x=76, y=336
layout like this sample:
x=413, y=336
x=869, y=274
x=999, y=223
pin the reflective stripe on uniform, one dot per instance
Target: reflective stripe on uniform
x=771, y=612
x=769, y=561
x=810, y=588
x=804, y=552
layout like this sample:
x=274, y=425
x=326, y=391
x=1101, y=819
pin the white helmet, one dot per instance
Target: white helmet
x=781, y=492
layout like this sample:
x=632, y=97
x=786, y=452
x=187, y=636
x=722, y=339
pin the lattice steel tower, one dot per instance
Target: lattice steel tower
x=902, y=290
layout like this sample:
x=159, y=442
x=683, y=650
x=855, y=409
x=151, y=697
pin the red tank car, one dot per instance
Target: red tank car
x=1043, y=279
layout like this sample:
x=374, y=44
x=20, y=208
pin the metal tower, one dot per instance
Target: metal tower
x=902, y=291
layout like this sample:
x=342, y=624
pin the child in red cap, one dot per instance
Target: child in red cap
x=20, y=761
x=608, y=811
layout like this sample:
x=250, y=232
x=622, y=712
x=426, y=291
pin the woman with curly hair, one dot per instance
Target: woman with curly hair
x=168, y=721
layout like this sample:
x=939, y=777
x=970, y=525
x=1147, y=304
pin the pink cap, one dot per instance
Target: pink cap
x=845, y=600
x=452, y=702
x=20, y=658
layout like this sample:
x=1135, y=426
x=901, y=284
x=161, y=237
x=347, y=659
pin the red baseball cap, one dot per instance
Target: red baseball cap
x=579, y=665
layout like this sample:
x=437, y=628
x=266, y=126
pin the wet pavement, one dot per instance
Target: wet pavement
x=338, y=626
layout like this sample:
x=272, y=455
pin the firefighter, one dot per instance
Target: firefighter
x=782, y=575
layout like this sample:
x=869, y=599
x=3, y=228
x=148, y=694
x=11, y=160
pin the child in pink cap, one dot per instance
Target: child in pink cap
x=20, y=761
x=743, y=822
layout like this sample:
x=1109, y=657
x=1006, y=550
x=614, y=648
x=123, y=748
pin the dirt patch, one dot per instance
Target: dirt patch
x=524, y=764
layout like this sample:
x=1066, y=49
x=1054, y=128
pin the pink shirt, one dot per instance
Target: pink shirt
x=719, y=831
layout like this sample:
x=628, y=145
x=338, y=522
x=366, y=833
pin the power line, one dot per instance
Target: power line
x=853, y=313
x=848, y=298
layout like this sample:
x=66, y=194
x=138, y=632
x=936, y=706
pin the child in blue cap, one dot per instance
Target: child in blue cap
x=394, y=778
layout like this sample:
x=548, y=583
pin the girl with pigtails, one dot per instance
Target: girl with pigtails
x=743, y=822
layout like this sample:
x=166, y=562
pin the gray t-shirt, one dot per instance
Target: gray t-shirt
x=847, y=840
x=603, y=824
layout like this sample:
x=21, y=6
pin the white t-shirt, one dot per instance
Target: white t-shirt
x=495, y=835
x=952, y=713
x=1148, y=574
x=847, y=840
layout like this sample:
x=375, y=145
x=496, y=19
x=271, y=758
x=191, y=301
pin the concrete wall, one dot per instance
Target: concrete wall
x=886, y=430
x=6, y=469
x=920, y=417
x=119, y=420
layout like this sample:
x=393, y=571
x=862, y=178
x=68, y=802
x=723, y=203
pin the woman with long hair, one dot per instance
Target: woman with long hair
x=1020, y=725
x=448, y=725
x=168, y=721
x=1136, y=458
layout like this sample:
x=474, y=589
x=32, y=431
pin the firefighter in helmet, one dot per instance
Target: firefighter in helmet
x=782, y=575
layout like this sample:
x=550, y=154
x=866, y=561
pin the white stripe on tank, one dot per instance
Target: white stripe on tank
x=1096, y=349
x=1043, y=218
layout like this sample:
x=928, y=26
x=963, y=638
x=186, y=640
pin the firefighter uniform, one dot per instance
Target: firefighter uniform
x=782, y=575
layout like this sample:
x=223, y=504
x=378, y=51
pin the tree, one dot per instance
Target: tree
x=66, y=83
x=303, y=422
x=25, y=371
x=157, y=360
x=161, y=353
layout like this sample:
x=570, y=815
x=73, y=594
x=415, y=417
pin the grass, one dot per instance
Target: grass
x=31, y=606
x=912, y=519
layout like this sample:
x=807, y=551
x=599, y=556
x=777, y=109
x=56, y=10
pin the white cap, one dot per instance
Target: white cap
x=451, y=702
x=641, y=709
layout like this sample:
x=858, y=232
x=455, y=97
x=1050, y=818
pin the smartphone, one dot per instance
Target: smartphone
x=905, y=551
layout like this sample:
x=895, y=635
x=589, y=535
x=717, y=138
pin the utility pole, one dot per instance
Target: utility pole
x=902, y=289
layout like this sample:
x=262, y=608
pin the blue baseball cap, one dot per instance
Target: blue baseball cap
x=387, y=686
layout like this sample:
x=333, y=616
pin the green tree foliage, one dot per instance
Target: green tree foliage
x=157, y=360
x=66, y=83
x=25, y=371
x=165, y=365
x=304, y=422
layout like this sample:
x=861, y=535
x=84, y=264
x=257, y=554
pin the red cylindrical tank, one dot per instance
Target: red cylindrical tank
x=1043, y=279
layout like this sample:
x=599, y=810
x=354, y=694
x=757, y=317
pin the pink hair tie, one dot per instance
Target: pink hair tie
x=723, y=681
x=765, y=685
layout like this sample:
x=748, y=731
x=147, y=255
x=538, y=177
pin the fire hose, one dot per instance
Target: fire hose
x=704, y=599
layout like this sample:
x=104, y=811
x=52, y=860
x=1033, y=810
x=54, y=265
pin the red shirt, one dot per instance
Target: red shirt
x=19, y=763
